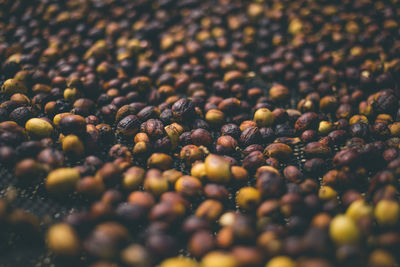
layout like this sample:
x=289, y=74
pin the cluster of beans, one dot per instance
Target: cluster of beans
x=207, y=133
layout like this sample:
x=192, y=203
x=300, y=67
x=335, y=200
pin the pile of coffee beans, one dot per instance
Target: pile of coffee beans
x=219, y=133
